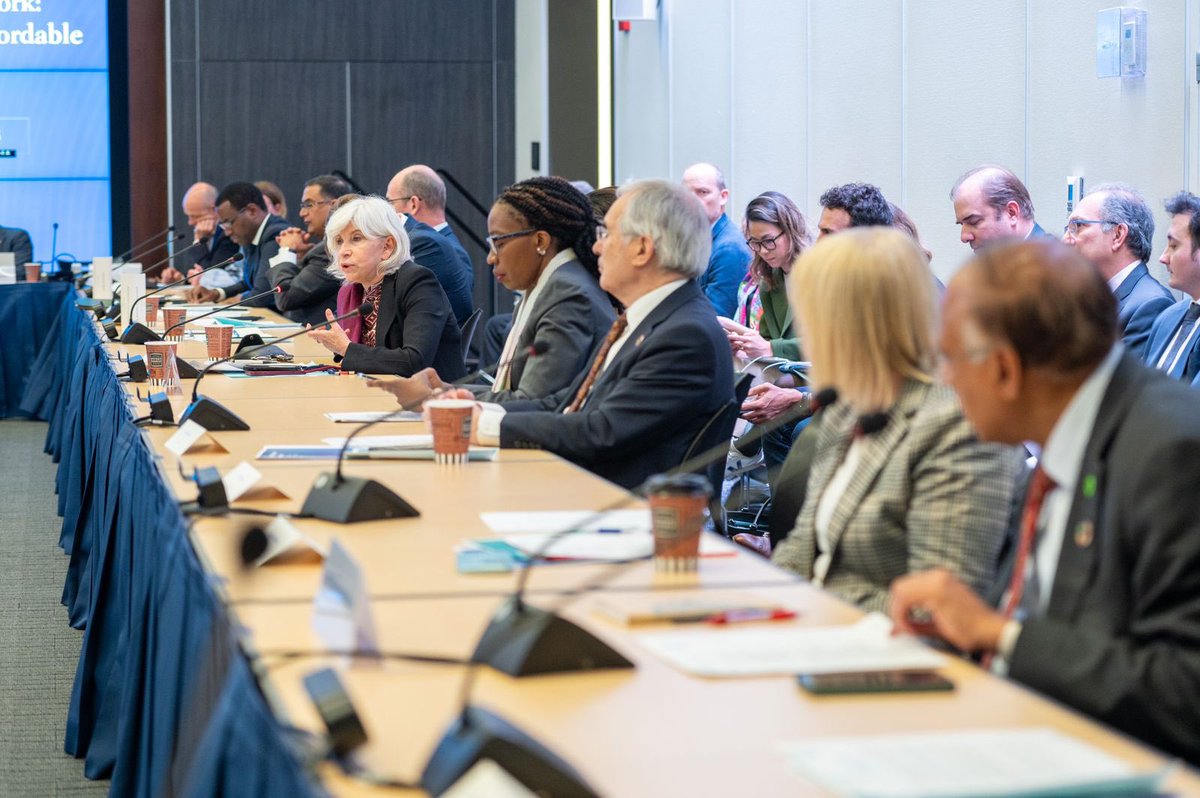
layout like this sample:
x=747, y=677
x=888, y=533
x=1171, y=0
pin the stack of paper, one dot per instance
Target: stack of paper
x=985, y=762
x=770, y=649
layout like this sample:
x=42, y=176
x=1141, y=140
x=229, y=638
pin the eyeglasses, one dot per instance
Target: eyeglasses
x=401, y=199
x=1072, y=228
x=766, y=244
x=310, y=204
x=225, y=224
x=493, y=242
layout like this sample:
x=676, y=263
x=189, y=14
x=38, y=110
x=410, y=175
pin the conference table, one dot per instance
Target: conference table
x=191, y=677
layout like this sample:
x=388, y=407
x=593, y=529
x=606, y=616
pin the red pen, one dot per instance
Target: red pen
x=744, y=616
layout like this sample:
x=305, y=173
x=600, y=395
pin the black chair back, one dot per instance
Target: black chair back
x=467, y=330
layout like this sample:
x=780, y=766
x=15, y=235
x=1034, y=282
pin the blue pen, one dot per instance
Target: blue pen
x=609, y=531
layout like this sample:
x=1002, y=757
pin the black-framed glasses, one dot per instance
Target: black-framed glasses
x=765, y=244
x=401, y=199
x=310, y=204
x=1072, y=228
x=493, y=242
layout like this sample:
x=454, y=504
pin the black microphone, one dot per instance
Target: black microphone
x=138, y=333
x=168, y=229
x=870, y=423
x=173, y=256
x=214, y=416
x=276, y=290
x=54, y=244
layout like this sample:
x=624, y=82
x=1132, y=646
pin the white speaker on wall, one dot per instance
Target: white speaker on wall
x=633, y=10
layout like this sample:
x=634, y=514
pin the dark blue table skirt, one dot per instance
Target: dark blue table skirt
x=164, y=702
x=28, y=311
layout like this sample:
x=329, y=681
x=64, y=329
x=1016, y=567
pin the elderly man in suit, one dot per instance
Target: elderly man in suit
x=1172, y=346
x=16, y=241
x=423, y=193
x=210, y=245
x=990, y=203
x=301, y=269
x=664, y=368
x=1113, y=227
x=433, y=250
x=1097, y=600
x=242, y=215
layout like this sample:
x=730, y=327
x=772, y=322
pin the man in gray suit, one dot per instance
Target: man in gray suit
x=1113, y=228
x=301, y=269
x=990, y=203
x=16, y=241
x=1097, y=599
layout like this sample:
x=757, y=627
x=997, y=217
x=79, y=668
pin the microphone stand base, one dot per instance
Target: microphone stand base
x=353, y=499
x=480, y=734
x=523, y=641
x=212, y=415
x=138, y=333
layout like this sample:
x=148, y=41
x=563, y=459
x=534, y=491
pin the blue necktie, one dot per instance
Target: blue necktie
x=250, y=253
x=1173, y=367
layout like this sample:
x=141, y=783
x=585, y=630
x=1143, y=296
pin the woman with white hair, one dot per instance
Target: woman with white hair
x=410, y=326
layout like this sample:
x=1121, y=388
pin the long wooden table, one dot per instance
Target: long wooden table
x=647, y=731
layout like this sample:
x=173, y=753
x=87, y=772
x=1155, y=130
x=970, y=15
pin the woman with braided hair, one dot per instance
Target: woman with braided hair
x=540, y=237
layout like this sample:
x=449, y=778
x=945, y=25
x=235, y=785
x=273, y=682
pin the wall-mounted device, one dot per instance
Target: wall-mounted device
x=635, y=10
x=1074, y=192
x=1121, y=42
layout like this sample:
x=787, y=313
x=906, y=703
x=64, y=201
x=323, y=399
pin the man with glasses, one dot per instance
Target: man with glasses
x=433, y=250
x=301, y=269
x=990, y=202
x=425, y=193
x=209, y=246
x=1172, y=345
x=242, y=215
x=730, y=257
x=1112, y=227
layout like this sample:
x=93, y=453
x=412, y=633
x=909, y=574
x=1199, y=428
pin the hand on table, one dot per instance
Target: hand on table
x=199, y=295
x=330, y=336
x=936, y=603
x=410, y=392
x=766, y=401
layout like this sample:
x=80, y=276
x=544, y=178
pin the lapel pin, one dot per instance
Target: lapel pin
x=639, y=340
x=1085, y=533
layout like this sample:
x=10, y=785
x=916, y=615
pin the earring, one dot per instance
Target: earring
x=541, y=252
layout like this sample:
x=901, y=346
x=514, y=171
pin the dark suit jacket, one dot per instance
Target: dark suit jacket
x=222, y=248
x=256, y=267
x=415, y=329
x=727, y=266
x=16, y=241
x=1141, y=299
x=459, y=250
x=572, y=316
x=1120, y=638
x=1160, y=336
x=434, y=251
x=308, y=287
x=671, y=375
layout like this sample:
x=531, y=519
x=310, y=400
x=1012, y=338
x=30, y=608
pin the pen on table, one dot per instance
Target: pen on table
x=366, y=376
x=743, y=616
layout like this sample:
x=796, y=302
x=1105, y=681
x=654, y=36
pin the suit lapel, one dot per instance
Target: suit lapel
x=387, y=307
x=1077, y=560
x=1129, y=283
x=643, y=331
x=877, y=449
x=776, y=304
x=833, y=439
x=1170, y=320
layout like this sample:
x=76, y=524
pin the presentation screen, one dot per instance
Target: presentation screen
x=54, y=125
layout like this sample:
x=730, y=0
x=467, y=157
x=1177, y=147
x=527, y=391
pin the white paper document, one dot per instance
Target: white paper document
x=606, y=545
x=8, y=268
x=382, y=441
x=984, y=762
x=520, y=522
x=771, y=649
x=367, y=416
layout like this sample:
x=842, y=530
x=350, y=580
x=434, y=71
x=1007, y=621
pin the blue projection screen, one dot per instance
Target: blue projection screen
x=54, y=124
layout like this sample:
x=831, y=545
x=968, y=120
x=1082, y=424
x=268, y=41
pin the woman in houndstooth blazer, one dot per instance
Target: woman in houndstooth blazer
x=899, y=482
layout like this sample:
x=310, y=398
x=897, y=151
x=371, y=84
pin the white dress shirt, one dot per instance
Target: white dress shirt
x=1115, y=281
x=257, y=238
x=834, y=491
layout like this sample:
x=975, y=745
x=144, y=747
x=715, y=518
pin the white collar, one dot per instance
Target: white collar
x=1063, y=453
x=261, y=227
x=1115, y=281
x=644, y=305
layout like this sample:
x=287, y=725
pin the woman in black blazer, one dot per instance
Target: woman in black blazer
x=410, y=326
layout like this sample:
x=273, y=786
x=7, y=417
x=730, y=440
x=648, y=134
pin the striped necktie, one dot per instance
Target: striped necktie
x=618, y=329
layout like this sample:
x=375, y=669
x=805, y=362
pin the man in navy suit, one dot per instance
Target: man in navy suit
x=664, y=368
x=729, y=257
x=990, y=203
x=425, y=192
x=242, y=215
x=433, y=250
x=16, y=241
x=1113, y=227
x=1097, y=596
x=1172, y=346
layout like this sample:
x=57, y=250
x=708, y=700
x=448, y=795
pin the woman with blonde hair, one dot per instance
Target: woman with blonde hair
x=899, y=482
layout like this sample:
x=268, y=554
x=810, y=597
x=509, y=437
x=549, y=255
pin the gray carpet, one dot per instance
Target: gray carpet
x=38, y=651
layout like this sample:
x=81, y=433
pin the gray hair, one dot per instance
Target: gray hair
x=670, y=216
x=376, y=219
x=1124, y=204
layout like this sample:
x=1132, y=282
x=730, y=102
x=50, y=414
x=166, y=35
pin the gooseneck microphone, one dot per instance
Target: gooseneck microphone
x=168, y=229
x=214, y=416
x=222, y=308
x=347, y=500
x=173, y=255
x=138, y=333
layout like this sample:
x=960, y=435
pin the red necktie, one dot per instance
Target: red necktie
x=617, y=330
